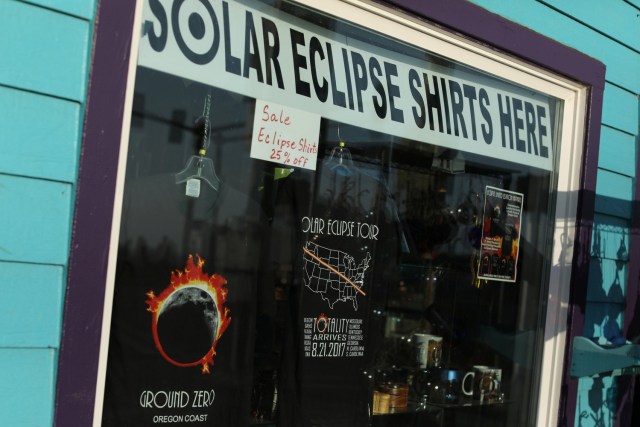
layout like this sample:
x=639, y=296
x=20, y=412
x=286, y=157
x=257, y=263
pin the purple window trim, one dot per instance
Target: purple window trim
x=86, y=281
x=86, y=276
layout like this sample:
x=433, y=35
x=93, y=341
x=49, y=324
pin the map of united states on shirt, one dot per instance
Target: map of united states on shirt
x=327, y=283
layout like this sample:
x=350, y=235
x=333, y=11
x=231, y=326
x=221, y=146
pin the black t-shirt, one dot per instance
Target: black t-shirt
x=343, y=249
x=175, y=255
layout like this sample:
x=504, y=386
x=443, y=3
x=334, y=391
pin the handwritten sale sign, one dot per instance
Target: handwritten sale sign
x=285, y=135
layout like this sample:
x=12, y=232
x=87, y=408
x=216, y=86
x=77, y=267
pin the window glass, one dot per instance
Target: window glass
x=325, y=226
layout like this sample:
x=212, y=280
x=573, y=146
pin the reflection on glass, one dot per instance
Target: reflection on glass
x=377, y=289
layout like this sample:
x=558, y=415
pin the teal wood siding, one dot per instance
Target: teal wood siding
x=43, y=77
x=27, y=386
x=47, y=53
x=610, y=32
x=31, y=126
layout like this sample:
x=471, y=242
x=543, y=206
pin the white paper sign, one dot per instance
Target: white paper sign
x=261, y=52
x=285, y=135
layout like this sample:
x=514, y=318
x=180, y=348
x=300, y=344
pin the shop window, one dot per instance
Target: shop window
x=327, y=225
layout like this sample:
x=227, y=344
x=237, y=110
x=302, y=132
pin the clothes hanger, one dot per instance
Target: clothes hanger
x=200, y=168
x=340, y=157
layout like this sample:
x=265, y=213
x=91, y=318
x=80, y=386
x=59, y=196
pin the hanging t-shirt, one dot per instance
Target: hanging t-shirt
x=182, y=329
x=343, y=250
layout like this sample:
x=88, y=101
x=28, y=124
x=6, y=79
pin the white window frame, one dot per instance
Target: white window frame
x=458, y=49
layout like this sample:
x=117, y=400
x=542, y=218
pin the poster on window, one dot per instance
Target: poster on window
x=501, y=222
x=189, y=268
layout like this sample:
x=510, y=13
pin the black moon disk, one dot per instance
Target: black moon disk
x=188, y=324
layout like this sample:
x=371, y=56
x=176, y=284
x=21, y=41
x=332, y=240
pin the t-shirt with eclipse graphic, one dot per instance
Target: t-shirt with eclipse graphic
x=182, y=330
x=345, y=243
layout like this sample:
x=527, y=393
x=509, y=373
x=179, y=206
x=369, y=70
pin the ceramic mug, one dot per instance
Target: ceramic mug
x=485, y=382
x=428, y=350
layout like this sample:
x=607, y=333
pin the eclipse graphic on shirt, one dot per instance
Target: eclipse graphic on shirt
x=189, y=316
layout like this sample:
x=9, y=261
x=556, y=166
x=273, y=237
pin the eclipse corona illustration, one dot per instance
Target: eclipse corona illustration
x=189, y=316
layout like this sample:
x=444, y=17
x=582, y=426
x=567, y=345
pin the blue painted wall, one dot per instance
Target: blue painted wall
x=45, y=57
x=608, y=30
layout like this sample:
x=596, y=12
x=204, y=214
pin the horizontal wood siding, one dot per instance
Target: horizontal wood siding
x=39, y=134
x=38, y=213
x=47, y=53
x=43, y=77
x=613, y=18
x=618, y=151
x=622, y=62
x=80, y=8
x=620, y=109
x=27, y=376
x=31, y=304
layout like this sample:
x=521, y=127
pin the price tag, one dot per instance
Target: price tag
x=285, y=135
x=193, y=187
